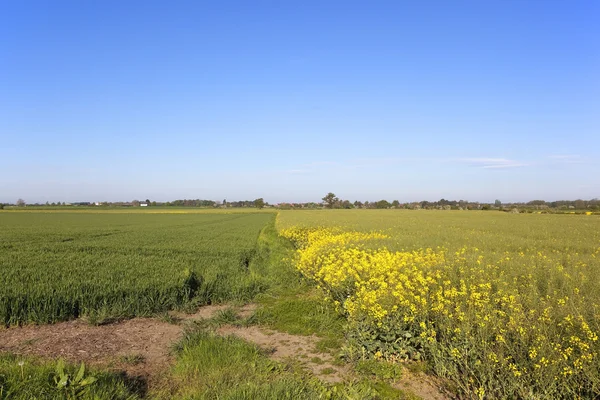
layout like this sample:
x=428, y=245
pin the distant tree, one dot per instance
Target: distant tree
x=153, y=204
x=135, y=203
x=580, y=204
x=21, y=203
x=395, y=204
x=330, y=199
x=536, y=203
x=498, y=203
x=148, y=201
x=383, y=204
x=259, y=203
x=346, y=204
x=1, y=206
x=224, y=202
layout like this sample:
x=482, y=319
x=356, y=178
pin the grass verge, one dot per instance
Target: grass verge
x=31, y=378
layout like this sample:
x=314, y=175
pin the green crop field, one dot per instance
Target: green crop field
x=61, y=265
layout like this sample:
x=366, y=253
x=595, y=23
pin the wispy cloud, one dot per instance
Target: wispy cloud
x=567, y=158
x=489, y=163
x=479, y=162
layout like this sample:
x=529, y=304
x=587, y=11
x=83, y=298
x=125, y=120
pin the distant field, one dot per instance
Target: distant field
x=136, y=210
x=64, y=264
x=490, y=230
x=503, y=305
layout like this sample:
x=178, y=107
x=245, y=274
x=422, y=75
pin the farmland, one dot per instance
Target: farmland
x=498, y=305
x=57, y=266
x=502, y=305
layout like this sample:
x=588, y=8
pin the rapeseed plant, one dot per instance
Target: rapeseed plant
x=497, y=327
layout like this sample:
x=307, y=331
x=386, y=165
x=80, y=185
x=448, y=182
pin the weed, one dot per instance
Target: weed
x=380, y=369
x=132, y=359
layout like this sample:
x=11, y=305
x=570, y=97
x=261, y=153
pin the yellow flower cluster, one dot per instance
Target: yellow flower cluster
x=480, y=319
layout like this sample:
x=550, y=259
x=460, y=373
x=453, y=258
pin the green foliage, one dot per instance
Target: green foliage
x=72, y=386
x=227, y=316
x=380, y=369
x=104, y=266
x=132, y=359
x=301, y=315
x=259, y=203
x=291, y=304
x=330, y=199
x=383, y=204
x=29, y=378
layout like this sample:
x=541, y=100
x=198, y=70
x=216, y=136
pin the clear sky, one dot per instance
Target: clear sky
x=288, y=100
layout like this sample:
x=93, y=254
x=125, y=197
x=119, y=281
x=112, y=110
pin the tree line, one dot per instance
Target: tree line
x=257, y=203
x=330, y=200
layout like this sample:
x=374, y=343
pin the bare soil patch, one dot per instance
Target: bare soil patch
x=141, y=347
x=283, y=346
x=138, y=346
x=424, y=386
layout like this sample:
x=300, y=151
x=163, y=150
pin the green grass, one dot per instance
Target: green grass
x=300, y=315
x=58, y=266
x=291, y=304
x=380, y=369
x=30, y=378
x=132, y=359
x=216, y=367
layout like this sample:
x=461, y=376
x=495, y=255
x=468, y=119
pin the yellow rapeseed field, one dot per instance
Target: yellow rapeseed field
x=515, y=322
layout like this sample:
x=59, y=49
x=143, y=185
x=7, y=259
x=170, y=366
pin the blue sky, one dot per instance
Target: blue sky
x=288, y=100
